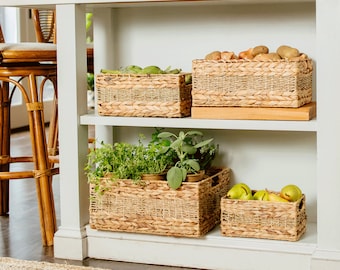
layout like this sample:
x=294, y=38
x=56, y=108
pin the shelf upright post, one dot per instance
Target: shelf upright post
x=328, y=135
x=70, y=238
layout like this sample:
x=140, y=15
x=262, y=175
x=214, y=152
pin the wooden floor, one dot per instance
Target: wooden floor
x=19, y=231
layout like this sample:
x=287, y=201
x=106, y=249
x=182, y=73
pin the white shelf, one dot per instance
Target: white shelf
x=93, y=119
x=182, y=248
x=124, y=3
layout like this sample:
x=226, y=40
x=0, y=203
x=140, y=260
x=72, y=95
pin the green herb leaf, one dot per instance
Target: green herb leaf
x=203, y=143
x=174, y=177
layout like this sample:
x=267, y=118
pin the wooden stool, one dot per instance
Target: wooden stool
x=29, y=60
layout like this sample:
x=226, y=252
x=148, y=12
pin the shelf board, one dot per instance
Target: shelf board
x=188, y=122
x=186, y=248
x=134, y=3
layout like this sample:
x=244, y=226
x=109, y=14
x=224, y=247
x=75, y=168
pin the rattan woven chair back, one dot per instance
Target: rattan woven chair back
x=44, y=25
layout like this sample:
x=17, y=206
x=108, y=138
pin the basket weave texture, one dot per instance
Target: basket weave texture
x=250, y=83
x=143, y=95
x=154, y=208
x=263, y=219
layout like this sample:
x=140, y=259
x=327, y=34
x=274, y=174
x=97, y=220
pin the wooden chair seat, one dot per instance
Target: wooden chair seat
x=31, y=52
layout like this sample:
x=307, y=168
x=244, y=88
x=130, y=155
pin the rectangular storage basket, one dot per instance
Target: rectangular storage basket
x=143, y=95
x=251, y=83
x=154, y=208
x=263, y=219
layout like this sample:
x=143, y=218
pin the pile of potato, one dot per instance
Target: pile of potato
x=260, y=53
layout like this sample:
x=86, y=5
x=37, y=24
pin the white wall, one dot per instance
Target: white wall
x=9, y=23
x=181, y=35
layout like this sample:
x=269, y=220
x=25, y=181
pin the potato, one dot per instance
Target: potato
x=287, y=52
x=267, y=57
x=259, y=49
x=215, y=55
x=246, y=54
x=302, y=56
x=228, y=55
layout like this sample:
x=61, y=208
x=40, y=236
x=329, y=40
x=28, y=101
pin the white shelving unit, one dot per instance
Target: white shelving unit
x=263, y=153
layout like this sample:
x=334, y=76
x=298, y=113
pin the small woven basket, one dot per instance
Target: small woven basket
x=143, y=95
x=263, y=219
x=251, y=83
x=153, y=208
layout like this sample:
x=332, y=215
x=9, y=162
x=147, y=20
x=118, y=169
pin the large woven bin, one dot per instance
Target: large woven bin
x=246, y=83
x=263, y=219
x=154, y=208
x=143, y=95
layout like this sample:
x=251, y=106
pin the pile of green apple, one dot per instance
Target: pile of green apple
x=241, y=191
x=134, y=69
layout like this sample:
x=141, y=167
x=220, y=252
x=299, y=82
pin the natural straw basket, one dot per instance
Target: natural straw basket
x=251, y=83
x=153, y=208
x=144, y=95
x=263, y=219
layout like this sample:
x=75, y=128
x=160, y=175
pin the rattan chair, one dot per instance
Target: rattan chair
x=45, y=31
x=44, y=21
x=27, y=61
x=44, y=25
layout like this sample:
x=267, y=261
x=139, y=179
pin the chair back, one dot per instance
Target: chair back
x=44, y=25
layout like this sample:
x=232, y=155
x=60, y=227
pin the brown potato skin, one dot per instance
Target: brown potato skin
x=225, y=55
x=287, y=52
x=215, y=55
x=246, y=54
x=267, y=57
x=260, y=50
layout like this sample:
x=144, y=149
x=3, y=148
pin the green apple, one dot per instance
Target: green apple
x=276, y=198
x=246, y=196
x=261, y=195
x=239, y=190
x=291, y=193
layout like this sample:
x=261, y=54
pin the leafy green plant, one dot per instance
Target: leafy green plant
x=88, y=27
x=151, y=159
x=125, y=161
x=90, y=81
x=110, y=161
x=192, y=152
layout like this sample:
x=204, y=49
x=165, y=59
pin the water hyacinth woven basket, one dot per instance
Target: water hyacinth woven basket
x=251, y=83
x=263, y=219
x=153, y=208
x=143, y=95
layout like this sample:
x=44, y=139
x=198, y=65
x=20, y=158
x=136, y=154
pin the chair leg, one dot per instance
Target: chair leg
x=4, y=145
x=43, y=174
x=52, y=143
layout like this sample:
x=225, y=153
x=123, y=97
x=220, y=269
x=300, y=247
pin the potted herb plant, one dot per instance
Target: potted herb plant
x=125, y=161
x=152, y=161
x=193, y=154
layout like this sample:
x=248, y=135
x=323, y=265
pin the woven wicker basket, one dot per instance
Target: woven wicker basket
x=253, y=83
x=144, y=95
x=154, y=208
x=263, y=219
